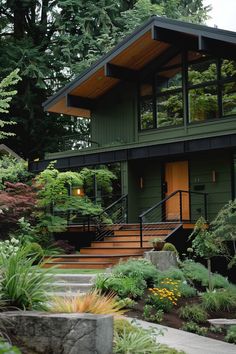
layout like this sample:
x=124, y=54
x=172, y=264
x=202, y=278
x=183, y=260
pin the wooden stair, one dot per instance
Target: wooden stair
x=122, y=242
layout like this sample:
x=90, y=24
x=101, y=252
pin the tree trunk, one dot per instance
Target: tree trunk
x=209, y=274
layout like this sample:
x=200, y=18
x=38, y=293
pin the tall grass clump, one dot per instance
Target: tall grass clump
x=92, y=302
x=219, y=300
x=22, y=284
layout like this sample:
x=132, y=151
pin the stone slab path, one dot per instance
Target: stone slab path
x=189, y=342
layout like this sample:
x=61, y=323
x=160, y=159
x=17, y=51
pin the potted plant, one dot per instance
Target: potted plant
x=157, y=243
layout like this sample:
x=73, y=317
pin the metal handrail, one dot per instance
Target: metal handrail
x=168, y=197
x=161, y=204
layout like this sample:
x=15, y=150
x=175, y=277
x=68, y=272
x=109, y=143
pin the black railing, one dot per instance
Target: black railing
x=180, y=206
x=114, y=214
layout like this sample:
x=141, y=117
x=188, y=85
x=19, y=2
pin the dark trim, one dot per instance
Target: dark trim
x=221, y=37
x=119, y=72
x=217, y=47
x=184, y=40
x=79, y=102
x=162, y=150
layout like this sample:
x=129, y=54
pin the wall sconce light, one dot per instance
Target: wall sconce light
x=141, y=182
x=213, y=176
x=78, y=192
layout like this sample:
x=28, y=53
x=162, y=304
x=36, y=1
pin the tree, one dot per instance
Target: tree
x=206, y=244
x=51, y=41
x=6, y=95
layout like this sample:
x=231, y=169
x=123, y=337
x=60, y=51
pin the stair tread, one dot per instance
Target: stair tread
x=94, y=255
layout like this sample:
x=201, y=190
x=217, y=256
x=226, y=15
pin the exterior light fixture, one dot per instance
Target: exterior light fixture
x=78, y=192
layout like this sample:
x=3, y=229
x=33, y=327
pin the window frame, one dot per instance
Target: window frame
x=186, y=87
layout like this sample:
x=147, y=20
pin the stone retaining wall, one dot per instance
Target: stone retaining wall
x=61, y=333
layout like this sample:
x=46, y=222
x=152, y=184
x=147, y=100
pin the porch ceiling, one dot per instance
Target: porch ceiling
x=130, y=58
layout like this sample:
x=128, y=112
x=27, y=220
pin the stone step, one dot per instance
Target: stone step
x=222, y=322
x=64, y=294
x=65, y=286
x=78, y=265
x=75, y=278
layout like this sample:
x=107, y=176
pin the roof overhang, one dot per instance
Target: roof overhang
x=149, y=45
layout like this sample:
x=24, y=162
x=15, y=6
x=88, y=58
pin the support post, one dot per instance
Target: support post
x=141, y=231
x=181, y=206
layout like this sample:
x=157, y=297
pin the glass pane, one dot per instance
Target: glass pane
x=229, y=99
x=146, y=107
x=228, y=68
x=203, y=103
x=169, y=80
x=204, y=70
x=169, y=109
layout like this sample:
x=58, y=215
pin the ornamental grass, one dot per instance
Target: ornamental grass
x=92, y=302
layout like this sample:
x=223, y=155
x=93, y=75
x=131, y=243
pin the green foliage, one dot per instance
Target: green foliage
x=7, y=348
x=133, y=339
x=151, y=314
x=197, y=273
x=137, y=268
x=170, y=247
x=219, y=300
x=104, y=179
x=172, y=273
x=6, y=95
x=231, y=335
x=165, y=296
x=194, y=328
x=12, y=170
x=193, y=313
x=204, y=242
x=186, y=290
x=23, y=285
x=35, y=250
x=122, y=285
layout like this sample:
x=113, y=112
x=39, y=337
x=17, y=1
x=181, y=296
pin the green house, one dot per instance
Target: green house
x=162, y=105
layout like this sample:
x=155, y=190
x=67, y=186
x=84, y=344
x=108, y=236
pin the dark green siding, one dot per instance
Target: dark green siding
x=113, y=121
x=201, y=167
x=201, y=173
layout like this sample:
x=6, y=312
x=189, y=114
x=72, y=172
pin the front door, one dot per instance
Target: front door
x=177, y=178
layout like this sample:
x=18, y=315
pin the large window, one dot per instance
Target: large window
x=196, y=89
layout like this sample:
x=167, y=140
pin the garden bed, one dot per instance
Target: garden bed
x=172, y=318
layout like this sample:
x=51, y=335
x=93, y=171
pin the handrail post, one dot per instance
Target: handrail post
x=205, y=206
x=141, y=231
x=181, y=207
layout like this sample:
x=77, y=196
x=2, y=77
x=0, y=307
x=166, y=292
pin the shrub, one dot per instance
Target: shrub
x=153, y=315
x=22, y=285
x=7, y=348
x=137, y=268
x=129, y=338
x=134, y=340
x=172, y=273
x=92, y=302
x=194, y=328
x=193, y=313
x=196, y=272
x=186, y=290
x=170, y=247
x=231, y=335
x=123, y=286
x=65, y=246
x=35, y=250
x=219, y=300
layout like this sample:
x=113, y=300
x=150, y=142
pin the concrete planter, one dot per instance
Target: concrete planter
x=41, y=332
x=162, y=259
